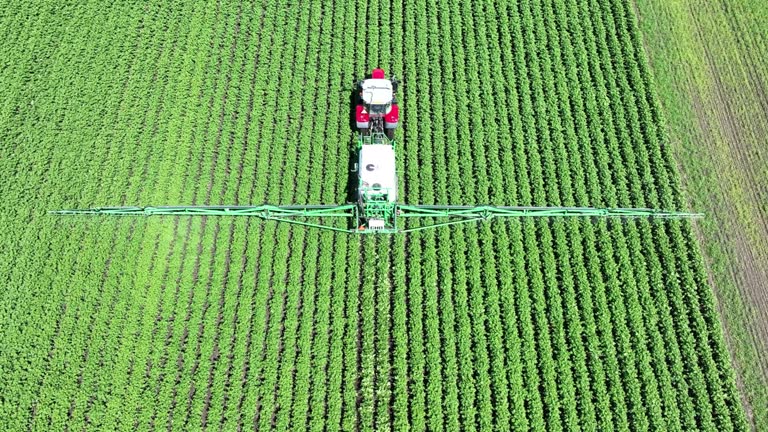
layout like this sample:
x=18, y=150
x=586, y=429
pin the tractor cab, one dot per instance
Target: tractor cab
x=377, y=94
x=377, y=110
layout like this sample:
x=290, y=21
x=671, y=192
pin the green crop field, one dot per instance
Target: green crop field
x=710, y=65
x=183, y=323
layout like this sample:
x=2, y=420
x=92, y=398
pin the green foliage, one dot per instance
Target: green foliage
x=213, y=323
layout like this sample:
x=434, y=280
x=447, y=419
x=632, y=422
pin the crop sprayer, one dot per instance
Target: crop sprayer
x=376, y=209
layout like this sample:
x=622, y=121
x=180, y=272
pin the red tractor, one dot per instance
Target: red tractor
x=377, y=110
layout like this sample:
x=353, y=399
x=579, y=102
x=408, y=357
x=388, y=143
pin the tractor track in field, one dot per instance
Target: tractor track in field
x=391, y=338
x=737, y=138
x=748, y=50
x=751, y=277
x=756, y=84
x=725, y=106
x=744, y=268
x=730, y=340
x=359, y=336
x=697, y=265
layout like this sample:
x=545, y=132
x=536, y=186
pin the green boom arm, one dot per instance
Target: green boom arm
x=463, y=214
x=270, y=212
x=457, y=214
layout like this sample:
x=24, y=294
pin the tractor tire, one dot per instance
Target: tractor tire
x=390, y=133
x=363, y=131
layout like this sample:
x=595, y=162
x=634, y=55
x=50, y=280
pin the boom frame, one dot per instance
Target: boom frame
x=458, y=213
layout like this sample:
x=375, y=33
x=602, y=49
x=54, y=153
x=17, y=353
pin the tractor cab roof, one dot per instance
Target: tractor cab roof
x=376, y=91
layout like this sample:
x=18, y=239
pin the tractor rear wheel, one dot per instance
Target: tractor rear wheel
x=390, y=133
